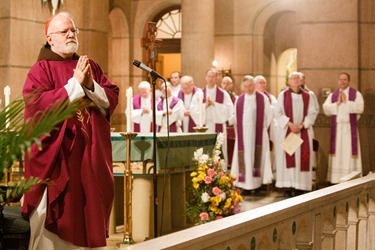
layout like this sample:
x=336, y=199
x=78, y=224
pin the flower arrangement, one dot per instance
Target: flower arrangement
x=213, y=193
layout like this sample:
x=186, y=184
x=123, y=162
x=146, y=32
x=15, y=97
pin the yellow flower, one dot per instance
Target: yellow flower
x=195, y=185
x=228, y=203
x=215, y=200
x=193, y=174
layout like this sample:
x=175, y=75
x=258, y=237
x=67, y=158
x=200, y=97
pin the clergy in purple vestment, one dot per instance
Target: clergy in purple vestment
x=295, y=113
x=172, y=116
x=251, y=158
x=77, y=157
x=141, y=115
x=217, y=108
x=344, y=106
x=188, y=90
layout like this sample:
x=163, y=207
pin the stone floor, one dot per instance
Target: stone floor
x=265, y=196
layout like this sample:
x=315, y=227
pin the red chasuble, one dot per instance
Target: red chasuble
x=77, y=157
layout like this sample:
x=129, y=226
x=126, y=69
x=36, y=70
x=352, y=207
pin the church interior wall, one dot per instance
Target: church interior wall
x=248, y=37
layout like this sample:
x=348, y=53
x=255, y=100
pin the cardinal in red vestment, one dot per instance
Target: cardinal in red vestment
x=77, y=157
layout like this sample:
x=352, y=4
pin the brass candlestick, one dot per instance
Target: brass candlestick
x=128, y=189
x=200, y=129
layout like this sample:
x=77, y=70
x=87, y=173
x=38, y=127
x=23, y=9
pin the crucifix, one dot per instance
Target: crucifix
x=151, y=44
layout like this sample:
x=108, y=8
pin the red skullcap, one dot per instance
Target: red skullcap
x=47, y=24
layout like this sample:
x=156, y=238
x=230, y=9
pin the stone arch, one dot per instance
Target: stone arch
x=275, y=18
x=119, y=60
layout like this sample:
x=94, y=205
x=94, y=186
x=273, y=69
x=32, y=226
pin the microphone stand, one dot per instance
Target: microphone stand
x=155, y=177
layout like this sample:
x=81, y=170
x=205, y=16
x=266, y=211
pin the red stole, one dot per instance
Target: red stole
x=137, y=105
x=172, y=127
x=353, y=124
x=258, y=135
x=305, y=147
x=220, y=99
x=191, y=123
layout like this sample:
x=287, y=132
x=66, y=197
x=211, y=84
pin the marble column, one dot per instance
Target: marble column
x=197, y=43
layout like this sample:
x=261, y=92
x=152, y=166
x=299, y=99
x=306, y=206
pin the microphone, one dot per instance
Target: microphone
x=149, y=70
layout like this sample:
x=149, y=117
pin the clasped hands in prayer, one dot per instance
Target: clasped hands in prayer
x=83, y=73
x=342, y=98
x=210, y=102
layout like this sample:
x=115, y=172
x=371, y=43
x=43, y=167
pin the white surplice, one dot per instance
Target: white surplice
x=144, y=120
x=219, y=113
x=294, y=177
x=175, y=90
x=175, y=117
x=249, y=133
x=342, y=163
x=185, y=120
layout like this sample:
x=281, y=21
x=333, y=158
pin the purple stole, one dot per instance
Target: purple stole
x=220, y=99
x=137, y=105
x=172, y=127
x=258, y=135
x=305, y=148
x=191, y=122
x=353, y=124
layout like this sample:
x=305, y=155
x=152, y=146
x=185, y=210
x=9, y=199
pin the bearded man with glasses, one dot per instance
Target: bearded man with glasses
x=74, y=211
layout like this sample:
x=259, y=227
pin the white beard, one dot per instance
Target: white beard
x=69, y=48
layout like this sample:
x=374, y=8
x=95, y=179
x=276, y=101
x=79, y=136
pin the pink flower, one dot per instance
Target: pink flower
x=219, y=217
x=204, y=216
x=207, y=179
x=216, y=190
x=211, y=172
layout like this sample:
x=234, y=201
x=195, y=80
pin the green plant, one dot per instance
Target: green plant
x=17, y=136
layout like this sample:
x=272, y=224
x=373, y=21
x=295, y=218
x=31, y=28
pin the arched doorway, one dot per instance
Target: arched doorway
x=169, y=28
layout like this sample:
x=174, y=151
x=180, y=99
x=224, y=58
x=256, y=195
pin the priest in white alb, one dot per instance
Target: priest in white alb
x=171, y=116
x=344, y=106
x=141, y=114
x=218, y=108
x=251, y=158
x=295, y=113
x=188, y=90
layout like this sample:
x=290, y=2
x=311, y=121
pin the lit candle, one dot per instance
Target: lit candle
x=200, y=97
x=7, y=101
x=129, y=97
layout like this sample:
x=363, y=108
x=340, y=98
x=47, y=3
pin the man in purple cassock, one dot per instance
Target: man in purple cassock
x=74, y=210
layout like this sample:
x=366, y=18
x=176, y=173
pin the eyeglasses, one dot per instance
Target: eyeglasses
x=65, y=32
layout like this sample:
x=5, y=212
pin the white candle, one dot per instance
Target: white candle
x=200, y=97
x=7, y=95
x=7, y=101
x=129, y=97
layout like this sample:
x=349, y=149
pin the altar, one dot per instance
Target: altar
x=174, y=162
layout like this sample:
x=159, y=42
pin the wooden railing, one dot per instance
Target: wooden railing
x=337, y=217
